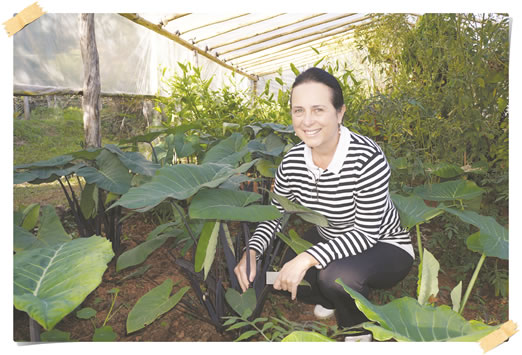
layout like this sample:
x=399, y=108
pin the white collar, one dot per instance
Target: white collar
x=338, y=159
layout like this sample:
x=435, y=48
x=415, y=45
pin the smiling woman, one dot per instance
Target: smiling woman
x=344, y=176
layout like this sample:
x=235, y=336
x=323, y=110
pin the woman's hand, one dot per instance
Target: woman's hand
x=241, y=270
x=293, y=273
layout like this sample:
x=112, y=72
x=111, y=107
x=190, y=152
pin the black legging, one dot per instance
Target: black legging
x=381, y=266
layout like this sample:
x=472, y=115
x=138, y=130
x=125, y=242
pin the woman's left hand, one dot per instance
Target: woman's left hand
x=293, y=273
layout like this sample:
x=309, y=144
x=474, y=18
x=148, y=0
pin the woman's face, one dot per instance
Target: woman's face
x=315, y=119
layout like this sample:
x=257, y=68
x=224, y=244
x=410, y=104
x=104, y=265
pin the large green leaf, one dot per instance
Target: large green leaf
x=24, y=240
x=45, y=174
x=58, y=161
x=404, y=319
x=206, y=249
x=294, y=241
x=446, y=170
x=304, y=336
x=134, y=161
x=178, y=182
x=493, y=239
x=141, y=252
x=429, y=280
x=300, y=210
x=413, y=210
x=111, y=174
x=449, y=191
x=51, y=282
x=241, y=302
x=230, y=205
x=152, y=305
x=50, y=232
x=228, y=151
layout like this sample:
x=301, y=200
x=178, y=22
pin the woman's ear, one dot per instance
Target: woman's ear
x=340, y=114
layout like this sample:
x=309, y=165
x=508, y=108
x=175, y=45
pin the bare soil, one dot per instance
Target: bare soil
x=177, y=325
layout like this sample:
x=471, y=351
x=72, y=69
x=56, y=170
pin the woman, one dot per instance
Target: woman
x=344, y=176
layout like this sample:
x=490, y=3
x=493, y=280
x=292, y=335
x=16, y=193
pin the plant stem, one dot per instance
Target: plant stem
x=419, y=241
x=471, y=283
x=110, y=310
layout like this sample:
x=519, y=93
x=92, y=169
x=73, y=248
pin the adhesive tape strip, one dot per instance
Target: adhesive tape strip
x=23, y=18
x=499, y=336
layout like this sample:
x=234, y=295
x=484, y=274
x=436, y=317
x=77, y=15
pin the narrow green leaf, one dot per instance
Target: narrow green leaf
x=30, y=216
x=206, y=248
x=456, y=296
x=141, y=252
x=294, y=69
x=89, y=200
x=152, y=305
x=294, y=241
x=429, y=281
x=246, y=335
x=305, y=213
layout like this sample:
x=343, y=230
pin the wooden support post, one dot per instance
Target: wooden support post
x=91, y=82
x=27, y=108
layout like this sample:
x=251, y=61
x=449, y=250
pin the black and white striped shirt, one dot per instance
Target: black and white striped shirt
x=352, y=193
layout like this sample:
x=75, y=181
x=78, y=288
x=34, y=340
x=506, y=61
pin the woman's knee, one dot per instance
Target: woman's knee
x=329, y=281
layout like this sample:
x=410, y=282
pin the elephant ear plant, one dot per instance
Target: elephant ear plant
x=53, y=273
x=213, y=196
x=107, y=172
x=407, y=319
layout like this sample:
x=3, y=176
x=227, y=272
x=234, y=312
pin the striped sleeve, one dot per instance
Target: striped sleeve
x=371, y=199
x=267, y=229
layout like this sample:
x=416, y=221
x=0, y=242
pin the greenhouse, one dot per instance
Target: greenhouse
x=174, y=173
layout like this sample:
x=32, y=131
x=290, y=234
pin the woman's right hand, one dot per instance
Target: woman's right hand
x=241, y=270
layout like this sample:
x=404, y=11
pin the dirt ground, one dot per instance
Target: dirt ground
x=178, y=326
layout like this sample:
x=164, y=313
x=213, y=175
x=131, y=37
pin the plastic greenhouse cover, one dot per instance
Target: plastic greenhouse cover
x=131, y=57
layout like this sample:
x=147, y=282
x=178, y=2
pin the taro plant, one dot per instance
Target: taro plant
x=491, y=239
x=216, y=204
x=54, y=273
x=107, y=173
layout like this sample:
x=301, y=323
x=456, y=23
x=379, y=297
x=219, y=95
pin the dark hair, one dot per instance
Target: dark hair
x=323, y=77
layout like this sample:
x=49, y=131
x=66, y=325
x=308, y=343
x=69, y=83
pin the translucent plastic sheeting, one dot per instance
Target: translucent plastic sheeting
x=47, y=54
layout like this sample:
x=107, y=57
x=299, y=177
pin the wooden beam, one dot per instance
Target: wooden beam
x=265, y=32
x=287, y=53
x=279, y=35
x=289, y=49
x=237, y=28
x=158, y=29
x=164, y=21
x=319, y=34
